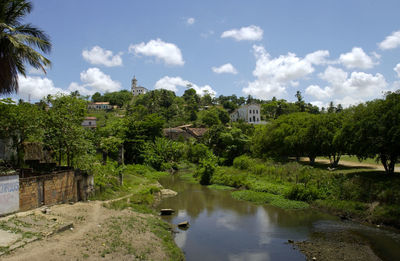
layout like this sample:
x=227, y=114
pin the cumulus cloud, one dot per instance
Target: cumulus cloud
x=94, y=80
x=392, y=41
x=249, y=33
x=318, y=57
x=100, y=56
x=226, y=68
x=167, y=52
x=318, y=92
x=357, y=58
x=273, y=75
x=190, y=21
x=348, y=89
x=172, y=84
x=36, y=87
x=397, y=69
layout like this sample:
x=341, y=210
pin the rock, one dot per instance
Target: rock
x=314, y=258
x=183, y=225
x=166, y=211
x=45, y=210
x=168, y=193
x=290, y=241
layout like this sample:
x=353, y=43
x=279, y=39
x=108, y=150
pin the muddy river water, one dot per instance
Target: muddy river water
x=222, y=228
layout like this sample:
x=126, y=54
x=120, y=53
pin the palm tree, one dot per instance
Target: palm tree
x=18, y=43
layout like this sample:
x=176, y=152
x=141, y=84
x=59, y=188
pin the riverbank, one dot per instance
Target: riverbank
x=118, y=223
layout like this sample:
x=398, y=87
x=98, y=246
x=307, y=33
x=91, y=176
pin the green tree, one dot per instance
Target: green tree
x=63, y=131
x=21, y=123
x=17, y=44
x=374, y=129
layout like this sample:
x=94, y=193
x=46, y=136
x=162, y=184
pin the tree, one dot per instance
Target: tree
x=374, y=129
x=63, y=131
x=16, y=41
x=20, y=123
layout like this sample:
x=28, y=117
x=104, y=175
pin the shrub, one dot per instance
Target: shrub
x=243, y=162
x=300, y=192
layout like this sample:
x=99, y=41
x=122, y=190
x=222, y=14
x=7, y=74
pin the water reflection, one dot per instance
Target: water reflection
x=222, y=228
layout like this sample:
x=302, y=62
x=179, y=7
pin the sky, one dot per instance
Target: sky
x=345, y=51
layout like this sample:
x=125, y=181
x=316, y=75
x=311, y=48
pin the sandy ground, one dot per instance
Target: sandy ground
x=354, y=164
x=98, y=233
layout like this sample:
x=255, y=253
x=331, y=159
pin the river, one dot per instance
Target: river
x=222, y=228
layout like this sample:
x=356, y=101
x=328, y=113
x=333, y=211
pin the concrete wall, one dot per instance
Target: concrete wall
x=9, y=194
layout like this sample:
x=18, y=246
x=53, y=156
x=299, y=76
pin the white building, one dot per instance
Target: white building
x=137, y=90
x=89, y=122
x=100, y=106
x=249, y=113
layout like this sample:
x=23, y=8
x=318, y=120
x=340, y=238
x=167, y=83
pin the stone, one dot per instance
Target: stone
x=290, y=241
x=183, y=225
x=168, y=193
x=166, y=211
x=8, y=238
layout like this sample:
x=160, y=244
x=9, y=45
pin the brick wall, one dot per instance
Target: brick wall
x=58, y=187
x=28, y=193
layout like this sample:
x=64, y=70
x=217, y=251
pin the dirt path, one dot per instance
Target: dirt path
x=353, y=164
x=96, y=235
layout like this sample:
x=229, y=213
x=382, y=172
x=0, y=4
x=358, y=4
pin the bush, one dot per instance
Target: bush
x=206, y=170
x=197, y=152
x=243, y=162
x=300, y=192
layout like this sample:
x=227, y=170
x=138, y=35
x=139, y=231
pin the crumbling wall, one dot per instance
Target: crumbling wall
x=57, y=187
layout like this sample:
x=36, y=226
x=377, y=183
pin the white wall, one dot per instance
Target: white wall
x=9, y=194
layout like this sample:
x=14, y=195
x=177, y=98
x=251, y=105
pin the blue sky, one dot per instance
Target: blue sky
x=341, y=51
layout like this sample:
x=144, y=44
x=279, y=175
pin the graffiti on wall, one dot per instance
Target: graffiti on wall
x=9, y=194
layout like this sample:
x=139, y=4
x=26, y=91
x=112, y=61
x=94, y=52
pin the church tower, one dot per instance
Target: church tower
x=137, y=90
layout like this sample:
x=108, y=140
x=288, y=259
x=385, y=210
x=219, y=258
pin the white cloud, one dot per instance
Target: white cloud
x=100, y=56
x=397, y=69
x=190, y=21
x=226, y=68
x=94, y=80
x=172, y=84
x=36, y=87
x=357, y=58
x=249, y=33
x=273, y=75
x=318, y=57
x=318, y=92
x=392, y=41
x=168, y=52
x=344, y=88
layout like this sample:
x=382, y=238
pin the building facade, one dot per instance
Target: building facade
x=100, y=106
x=89, y=122
x=249, y=113
x=137, y=90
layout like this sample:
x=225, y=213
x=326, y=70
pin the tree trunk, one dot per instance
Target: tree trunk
x=105, y=154
x=312, y=159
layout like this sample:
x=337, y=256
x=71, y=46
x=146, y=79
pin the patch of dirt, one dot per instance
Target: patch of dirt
x=339, y=245
x=98, y=233
x=354, y=164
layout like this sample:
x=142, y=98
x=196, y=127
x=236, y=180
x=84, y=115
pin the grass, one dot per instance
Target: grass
x=163, y=231
x=220, y=187
x=268, y=198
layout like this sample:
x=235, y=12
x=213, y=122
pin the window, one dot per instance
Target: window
x=249, y=119
x=90, y=123
x=257, y=111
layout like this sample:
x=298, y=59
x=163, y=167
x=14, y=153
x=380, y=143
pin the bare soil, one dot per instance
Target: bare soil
x=353, y=164
x=340, y=245
x=98, y=233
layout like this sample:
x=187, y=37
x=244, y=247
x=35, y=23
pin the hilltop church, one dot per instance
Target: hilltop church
x=137, y=90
